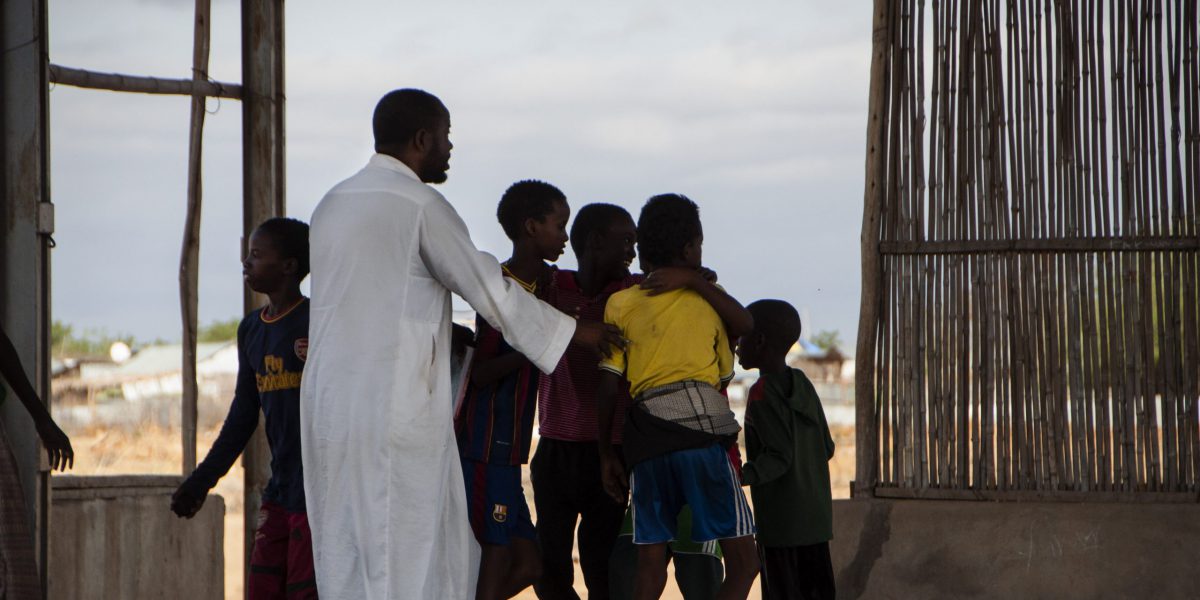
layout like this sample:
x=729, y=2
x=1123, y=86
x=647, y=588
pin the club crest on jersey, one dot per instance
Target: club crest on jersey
x=301, y=348
x=500, y=513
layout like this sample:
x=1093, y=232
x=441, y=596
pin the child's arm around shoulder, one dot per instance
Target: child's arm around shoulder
x=737, y=319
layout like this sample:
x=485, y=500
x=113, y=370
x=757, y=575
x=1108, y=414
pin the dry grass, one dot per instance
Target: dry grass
x=152, y=449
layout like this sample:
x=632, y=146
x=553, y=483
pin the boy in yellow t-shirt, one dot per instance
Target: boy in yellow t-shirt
x=678, y=325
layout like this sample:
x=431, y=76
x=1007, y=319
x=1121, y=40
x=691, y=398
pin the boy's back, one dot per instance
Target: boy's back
x=673, y=337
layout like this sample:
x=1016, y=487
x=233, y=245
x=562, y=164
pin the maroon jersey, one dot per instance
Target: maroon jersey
x=567, y=397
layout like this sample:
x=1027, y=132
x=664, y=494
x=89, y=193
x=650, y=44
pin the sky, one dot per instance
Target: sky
x=755, y=110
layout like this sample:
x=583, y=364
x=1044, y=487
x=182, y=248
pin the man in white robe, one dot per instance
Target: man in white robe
x=382, y=478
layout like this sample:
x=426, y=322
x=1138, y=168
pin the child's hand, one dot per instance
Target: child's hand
x=667, y=279
x=57, y=444
x=184, y=504
x=612, y=475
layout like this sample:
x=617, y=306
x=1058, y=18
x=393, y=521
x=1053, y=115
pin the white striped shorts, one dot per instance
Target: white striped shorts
x=702, y=478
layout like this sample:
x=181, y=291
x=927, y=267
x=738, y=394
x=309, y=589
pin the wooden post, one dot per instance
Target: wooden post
x=189, y=259
x=26, y=222
x=864, y=378
x=263, y=188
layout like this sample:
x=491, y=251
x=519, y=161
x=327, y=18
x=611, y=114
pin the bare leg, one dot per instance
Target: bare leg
x=651, y=572
x=506, y=570
x=494, y=566
x=698, y=576
x=525, y=568
x=741, y=567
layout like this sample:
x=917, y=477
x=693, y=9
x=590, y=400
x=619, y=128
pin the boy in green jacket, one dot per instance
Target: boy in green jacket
x=789, y=447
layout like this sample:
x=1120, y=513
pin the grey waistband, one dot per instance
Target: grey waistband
x=692, y=404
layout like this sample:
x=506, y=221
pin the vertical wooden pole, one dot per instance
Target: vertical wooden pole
x=189, y=260
x=864, y=380
x=26, y=222
x=263, y=188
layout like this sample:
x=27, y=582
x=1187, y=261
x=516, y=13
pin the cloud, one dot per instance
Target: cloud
x=757, y=111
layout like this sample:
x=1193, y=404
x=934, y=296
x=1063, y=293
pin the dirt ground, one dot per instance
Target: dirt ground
x=157, y=450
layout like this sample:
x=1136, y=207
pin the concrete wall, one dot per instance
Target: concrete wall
x=115, y=537
x=944, y=549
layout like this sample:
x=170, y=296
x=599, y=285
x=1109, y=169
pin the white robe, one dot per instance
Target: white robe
x=382, y=477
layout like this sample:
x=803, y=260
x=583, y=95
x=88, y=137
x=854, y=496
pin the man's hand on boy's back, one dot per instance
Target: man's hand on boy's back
x=601, y=337
x=186, y=503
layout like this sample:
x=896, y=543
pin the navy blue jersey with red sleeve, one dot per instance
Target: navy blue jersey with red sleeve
x=271, y=355
x=495, y=422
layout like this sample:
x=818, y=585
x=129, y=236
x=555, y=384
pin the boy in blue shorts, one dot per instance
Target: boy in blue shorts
x=676, y=434
x=494, y=425
x=272, y=347
x=789, y=446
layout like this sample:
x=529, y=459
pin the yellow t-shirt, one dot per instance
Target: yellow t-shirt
x=673, y=337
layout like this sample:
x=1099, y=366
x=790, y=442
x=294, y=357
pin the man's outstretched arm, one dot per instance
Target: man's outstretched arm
x=532, y=327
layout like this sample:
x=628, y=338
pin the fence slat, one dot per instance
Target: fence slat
x=1038, y=251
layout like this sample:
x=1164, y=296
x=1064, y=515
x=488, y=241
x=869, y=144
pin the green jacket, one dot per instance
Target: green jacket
x=789, y=446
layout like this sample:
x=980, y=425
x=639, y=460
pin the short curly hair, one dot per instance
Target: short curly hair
x=592, y=219
x=290, y=237
x=527, y=199
x=667, y=223
x=778, y=321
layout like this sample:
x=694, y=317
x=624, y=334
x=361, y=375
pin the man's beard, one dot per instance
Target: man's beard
x=434, y=173
x=434, y=176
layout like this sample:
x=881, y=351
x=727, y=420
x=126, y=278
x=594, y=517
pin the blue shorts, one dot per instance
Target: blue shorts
x=702, y=478
x=496, y=503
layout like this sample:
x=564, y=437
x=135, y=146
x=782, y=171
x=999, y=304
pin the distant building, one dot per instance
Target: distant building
x=820, y=365
x=152, y=372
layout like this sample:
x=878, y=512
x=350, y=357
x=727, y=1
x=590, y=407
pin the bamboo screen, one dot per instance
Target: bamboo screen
x=1034, y=323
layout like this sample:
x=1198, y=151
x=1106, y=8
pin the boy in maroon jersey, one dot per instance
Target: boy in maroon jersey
x=566, y=466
